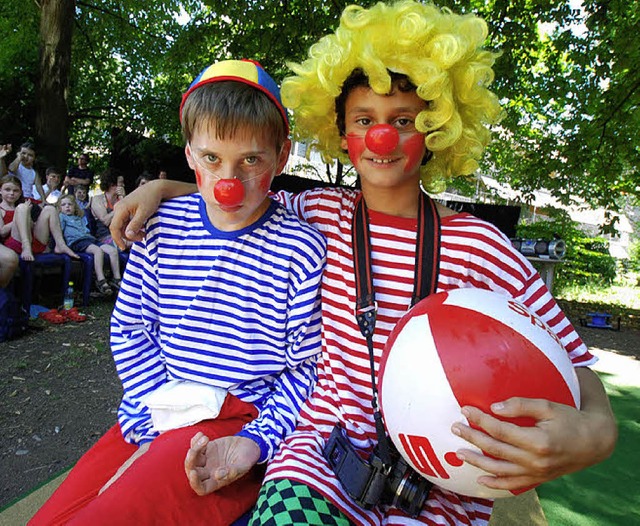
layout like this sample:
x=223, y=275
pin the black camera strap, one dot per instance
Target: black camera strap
x=425, y=282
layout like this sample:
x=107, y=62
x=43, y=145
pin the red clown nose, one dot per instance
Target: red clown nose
x=229, y=192
x=382, y=139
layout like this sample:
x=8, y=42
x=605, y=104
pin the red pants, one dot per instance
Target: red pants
x=155, y=489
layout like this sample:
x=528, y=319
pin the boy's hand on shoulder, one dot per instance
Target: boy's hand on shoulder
x=564, y=440
x=129, y=216
x=211, y=465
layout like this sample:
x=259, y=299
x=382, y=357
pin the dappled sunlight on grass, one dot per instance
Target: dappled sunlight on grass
x=628, y=297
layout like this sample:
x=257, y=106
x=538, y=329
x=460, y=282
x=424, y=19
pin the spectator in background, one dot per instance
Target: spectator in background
x=143, y=178
x=81, y=194
x=10, y=192
x=51, y=188
x=102, y=205
x=30, y=237
x=80, y=174
x=162, y=174
x=22, y=168
x=82, y=199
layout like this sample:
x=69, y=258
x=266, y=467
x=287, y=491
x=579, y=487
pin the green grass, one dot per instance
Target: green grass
x=615, y=295
x=606, y=494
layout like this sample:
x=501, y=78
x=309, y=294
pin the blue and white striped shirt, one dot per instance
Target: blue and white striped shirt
x=237, y=310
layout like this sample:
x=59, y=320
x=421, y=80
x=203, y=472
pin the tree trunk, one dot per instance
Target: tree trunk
x=52, y=112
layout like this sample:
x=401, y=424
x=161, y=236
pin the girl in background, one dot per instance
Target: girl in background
x=10, y=192
x=77, y=235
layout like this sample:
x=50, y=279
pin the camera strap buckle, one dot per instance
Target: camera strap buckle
x=366, y=318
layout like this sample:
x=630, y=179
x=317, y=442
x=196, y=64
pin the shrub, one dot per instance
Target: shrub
x=634, y=256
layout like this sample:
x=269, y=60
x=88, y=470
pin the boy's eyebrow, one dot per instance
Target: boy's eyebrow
x=206, y=150
x=400, y=109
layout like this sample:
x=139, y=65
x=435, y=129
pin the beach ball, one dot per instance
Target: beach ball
x=465, y=347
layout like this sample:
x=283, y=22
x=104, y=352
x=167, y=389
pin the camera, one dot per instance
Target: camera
x=370, y=482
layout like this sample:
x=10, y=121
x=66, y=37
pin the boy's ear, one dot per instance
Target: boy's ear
x=343, y=143
x=284, y=156
x=187, y=153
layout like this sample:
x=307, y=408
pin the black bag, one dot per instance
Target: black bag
x=13, y=319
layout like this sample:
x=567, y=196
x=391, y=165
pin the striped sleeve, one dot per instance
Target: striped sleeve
x=295, y=383
x=134, y=342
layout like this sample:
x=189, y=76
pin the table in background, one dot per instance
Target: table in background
x=546, y=268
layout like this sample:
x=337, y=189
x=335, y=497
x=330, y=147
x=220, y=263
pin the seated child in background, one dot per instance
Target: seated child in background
x=102, y=204
x=219, y=302
x=11, y=192
x=143, y=179
x=120, y=191
x=51, y=188
x=8, y=265
x=22, y=168
x=77, y=235
x=32, y=230
x=81, y=193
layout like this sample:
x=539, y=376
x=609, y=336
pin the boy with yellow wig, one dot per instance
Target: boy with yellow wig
x=401, y=92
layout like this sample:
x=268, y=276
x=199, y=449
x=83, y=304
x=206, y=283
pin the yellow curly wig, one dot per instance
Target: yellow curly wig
x=439, y=51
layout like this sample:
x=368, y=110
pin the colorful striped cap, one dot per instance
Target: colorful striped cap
x=246, y=71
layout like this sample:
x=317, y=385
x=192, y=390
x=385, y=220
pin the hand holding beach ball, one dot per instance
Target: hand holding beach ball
x=465, y=347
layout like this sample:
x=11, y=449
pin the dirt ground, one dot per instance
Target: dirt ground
x=59, y=391
x=58, y=394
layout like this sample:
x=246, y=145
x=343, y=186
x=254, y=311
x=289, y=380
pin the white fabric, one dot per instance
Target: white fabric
x=180, y=403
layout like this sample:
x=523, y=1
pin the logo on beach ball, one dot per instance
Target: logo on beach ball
x=465, y=347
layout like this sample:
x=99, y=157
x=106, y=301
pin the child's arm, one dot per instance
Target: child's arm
x=38, y=184
x=99, y=210
x=563, y=441
x=212, y=465
x=16, y=162
x=131, y=213
x=4, y=151
x=134, y=345
x=5, y=229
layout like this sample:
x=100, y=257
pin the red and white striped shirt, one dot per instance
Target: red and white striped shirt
x=474, y=254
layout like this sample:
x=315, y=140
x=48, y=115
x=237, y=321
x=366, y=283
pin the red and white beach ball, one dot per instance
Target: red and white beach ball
x=465, y=347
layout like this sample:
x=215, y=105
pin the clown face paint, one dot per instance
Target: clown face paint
x=381, y=139
x=234, y=175
x=414, y=149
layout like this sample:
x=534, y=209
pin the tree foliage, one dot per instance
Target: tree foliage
x=567, y=77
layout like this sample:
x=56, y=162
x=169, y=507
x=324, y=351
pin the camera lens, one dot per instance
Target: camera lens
x=406, y=490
